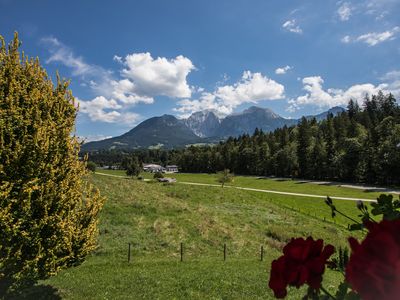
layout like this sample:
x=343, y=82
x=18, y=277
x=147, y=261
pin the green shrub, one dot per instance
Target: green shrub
x=158, y=175
x=91, y=166
x=48, y=211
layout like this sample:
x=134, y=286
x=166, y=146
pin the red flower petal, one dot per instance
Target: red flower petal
x=373, y=270
x=328, y=251
x=303, y=261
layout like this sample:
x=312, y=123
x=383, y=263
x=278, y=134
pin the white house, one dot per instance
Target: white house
x=153, y=168
x=171, y=169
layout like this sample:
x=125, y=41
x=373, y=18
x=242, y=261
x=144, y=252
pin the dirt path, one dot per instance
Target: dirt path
x=256, y=190
x=346, y=185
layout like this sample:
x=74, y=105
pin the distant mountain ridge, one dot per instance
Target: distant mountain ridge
x=203, y=123
x=158, y=132
x=250, y=119
x=201, y=127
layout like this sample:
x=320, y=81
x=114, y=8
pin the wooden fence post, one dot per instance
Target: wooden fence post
x=224, y=252
x=262, y=253
x=181, y=251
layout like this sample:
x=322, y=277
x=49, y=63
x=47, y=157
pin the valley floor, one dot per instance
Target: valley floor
x=156, y=218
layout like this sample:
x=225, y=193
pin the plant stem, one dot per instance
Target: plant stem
x=326, y=292
x=346, y=216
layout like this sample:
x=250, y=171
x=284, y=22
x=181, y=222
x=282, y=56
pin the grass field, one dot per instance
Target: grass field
x=155, y=218
x=268, y=183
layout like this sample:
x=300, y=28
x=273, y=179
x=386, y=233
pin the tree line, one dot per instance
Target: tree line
x=362, y=144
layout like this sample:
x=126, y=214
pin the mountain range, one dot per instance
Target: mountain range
x=201, y=127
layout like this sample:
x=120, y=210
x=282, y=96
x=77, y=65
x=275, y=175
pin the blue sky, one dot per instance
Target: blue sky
x=131, y=60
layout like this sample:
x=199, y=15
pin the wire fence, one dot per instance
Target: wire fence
x=182, y=254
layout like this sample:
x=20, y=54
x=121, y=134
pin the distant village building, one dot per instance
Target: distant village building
x=108, y=167
x=171, y=169
x=153, y=168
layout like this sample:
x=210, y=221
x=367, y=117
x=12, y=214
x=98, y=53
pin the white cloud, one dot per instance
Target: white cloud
x=117, y=58
x=393, y=82
x=160, y=76
x=106, y=110
x=96, y=109
x=291, y=25
x=317, y=96
x=283, y=70
x=376, y=6
x=60, y=53
x=346, y=39
x=141, y=79
x=252, y=88
x=375, y=38
x=392, y=75
x=344, y=11
x=125, y=91
x=207, y=101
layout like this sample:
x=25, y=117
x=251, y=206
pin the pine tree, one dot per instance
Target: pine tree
x=303, y=147
x=352, y=108
x=48, y=210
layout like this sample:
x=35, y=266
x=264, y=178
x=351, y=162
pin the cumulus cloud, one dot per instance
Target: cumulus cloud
x=291, y=25
x=251, y=88
x=316, y=95
x=283, y=70
x=141, y=78
x=125, y=91
x=374, y=38
x=160, y=76
x=393, y=82
x=344, y=11
x=206, y=101
x=107, y=110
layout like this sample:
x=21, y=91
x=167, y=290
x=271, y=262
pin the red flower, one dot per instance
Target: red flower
x=303, y=261
x=374, y=266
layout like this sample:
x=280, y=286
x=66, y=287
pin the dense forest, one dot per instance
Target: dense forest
x=359, y=145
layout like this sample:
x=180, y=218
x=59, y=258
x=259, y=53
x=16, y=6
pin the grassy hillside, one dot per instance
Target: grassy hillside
x=156, y=218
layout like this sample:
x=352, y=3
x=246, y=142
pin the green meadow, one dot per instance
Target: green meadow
x=156, y=218
x=284, y=185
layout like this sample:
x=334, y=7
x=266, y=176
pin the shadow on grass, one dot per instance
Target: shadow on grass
x=377, y=190
x=274, y=179
x=37, y=292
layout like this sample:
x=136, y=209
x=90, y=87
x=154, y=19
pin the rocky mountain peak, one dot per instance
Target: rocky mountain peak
x=203, y=123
